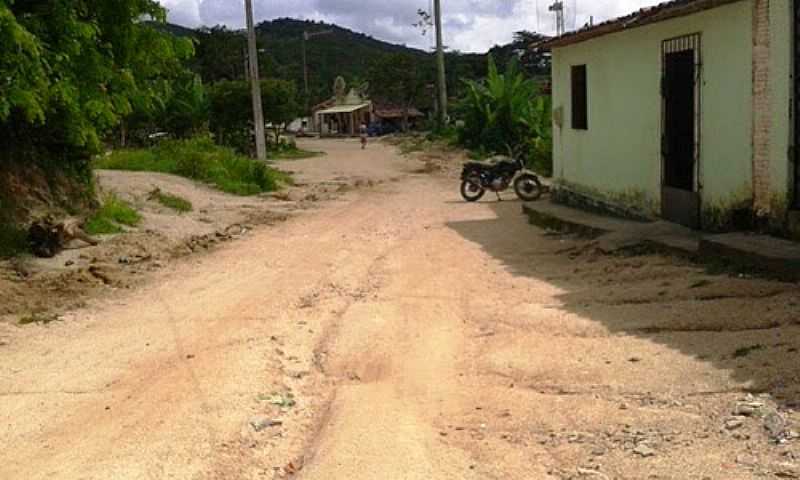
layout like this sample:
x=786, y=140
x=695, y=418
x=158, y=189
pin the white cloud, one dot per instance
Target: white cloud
x=183, y=12
x=470, y=25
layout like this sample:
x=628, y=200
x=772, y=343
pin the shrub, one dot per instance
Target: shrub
x=507, y=112
x=200, y=159
x=232, y=111
x=113, y=213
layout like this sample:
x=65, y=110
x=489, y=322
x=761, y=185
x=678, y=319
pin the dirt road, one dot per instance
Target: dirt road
x=398, y=333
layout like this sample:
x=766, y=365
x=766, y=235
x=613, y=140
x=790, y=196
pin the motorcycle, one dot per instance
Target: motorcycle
x=477, y=178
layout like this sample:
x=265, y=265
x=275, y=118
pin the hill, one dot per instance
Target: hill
x=176, y=30
x=221, y=55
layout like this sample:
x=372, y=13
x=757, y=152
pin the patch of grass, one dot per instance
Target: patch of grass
x=283, y=400
x=199, y=159
x=174, y=202
x=13, y=241
x=745, y=351
x=113, y=213
x=294, y=154
x=39, y=318
x=414, y=144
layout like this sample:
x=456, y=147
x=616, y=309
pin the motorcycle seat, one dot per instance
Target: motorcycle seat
x=476, y=164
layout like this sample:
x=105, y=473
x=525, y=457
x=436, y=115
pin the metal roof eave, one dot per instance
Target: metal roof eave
x=646, y=16
x=343, y=109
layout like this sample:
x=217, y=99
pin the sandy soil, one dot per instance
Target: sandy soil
x=396, y=332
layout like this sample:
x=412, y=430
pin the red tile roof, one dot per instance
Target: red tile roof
x=393, y=112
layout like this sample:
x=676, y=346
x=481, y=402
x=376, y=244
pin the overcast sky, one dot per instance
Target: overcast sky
x=470, y=25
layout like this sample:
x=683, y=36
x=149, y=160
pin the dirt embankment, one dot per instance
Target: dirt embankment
x=28, y=191
x=34, y=290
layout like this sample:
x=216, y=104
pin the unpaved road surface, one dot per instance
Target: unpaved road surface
x=398, y=333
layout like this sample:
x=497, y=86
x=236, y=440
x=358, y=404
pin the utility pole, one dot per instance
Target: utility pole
x=255, y=83
x=442, y=76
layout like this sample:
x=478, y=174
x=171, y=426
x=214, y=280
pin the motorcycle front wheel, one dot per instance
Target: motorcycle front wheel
x=471, y=190
x=528, y=188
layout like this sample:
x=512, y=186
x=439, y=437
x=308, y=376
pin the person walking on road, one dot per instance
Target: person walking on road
x=363, y=132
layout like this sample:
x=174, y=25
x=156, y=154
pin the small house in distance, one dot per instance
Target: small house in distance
x=392, y=118
x=684, y=111
x=343, y=113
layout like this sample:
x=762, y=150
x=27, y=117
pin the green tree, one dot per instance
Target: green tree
x=232, y=110
x=533, y=62
x=73, y=70
x=220, y=54
x=188, y=109
x=281, y=105
x=400, y=80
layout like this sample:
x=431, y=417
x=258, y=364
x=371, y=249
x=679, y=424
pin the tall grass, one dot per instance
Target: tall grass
x=200, y=159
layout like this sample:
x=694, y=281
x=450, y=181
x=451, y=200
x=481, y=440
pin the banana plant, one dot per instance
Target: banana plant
x=504, y=111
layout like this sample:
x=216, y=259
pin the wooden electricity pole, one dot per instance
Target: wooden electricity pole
x=442, y=76
x=255, y=83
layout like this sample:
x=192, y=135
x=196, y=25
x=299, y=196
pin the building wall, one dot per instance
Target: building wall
x=762, y=108
x=619, y=157
x=781, y=104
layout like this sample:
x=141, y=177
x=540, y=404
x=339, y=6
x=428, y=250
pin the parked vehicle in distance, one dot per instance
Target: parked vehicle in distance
x=380, y=129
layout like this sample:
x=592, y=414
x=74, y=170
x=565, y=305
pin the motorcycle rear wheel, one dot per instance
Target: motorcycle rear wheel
x=471, y=190
x=528, y=188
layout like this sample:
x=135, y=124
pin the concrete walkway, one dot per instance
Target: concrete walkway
x=772, y=255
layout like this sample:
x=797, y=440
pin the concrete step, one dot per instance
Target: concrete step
x=762, y=254
x=776, y=256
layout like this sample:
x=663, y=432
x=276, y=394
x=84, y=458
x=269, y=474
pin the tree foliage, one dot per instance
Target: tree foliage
x=232, y=110
x=72, y=70
x=401, y=80
x=507, y=111
x=220, y=54
x=534, y=63
x=188, y=109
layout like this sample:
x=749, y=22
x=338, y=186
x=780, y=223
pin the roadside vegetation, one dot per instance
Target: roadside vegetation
x=93, y=75
x=112, y=215
x=168, y=200
x=507, y=112
x=199, y=159
x=293, y=154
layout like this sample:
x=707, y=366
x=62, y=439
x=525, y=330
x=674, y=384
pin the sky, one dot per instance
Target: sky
x=469, y=25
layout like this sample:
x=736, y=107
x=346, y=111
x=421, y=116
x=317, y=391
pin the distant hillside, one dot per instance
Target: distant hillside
x=221, y=55
x=176, y=30
x=340, y=52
